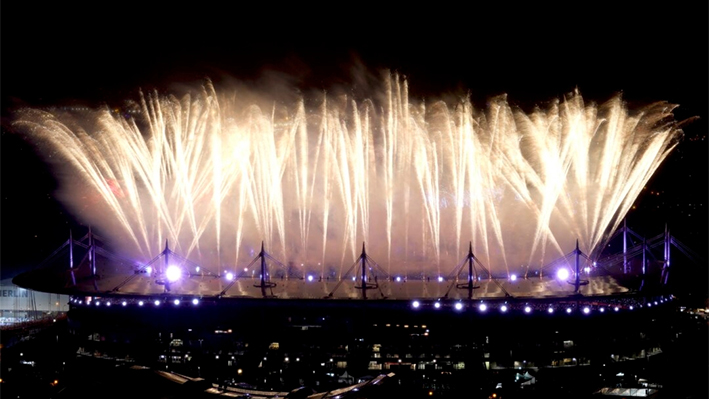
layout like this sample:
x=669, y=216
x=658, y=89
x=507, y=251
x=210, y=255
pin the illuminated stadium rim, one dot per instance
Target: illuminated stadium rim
x=560, y=306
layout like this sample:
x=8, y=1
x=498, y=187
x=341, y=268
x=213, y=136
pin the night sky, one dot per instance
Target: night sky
x=103, y=53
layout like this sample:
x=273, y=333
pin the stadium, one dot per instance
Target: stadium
x=255, y=252
x=266, y=333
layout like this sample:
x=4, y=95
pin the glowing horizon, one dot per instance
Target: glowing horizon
x=215, y=173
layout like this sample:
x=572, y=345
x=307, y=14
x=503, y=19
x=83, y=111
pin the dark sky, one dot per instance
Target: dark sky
x=105, y=51
x=532, y=53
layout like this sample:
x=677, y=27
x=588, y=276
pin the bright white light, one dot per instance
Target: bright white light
x=483, y=307
x=195, y=301
x=562, y=274
x=310, y=278
x=550, y=310
x=230, y=276
x=176, y=301
x=616, y=309
x=631, y=307
x=602, y=310
x=98, y=303
x=655, y=302
x=108, y=303
x=503, y=309
x=594, y=264
x=649, y=305
x=157, y=302
x=196, y=269
x=587, y=269
x=353, y=278
x=140, y=303
x=173, y=273
x=458, y=306
x=440, y=279
x=149, y=269
x=416, y=304
x=398, y=279
x=513, y=277
x=586, y=310
x=124, y=303
x=437, y=305
x=527, y=309
x=568, y=310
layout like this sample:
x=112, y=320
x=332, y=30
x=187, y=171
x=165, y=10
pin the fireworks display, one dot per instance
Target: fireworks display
x=215, y=173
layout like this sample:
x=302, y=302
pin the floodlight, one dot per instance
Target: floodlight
x=173, y=273
x=562, y=274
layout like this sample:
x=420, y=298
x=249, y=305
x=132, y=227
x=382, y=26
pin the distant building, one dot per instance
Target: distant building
x=19, y=305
